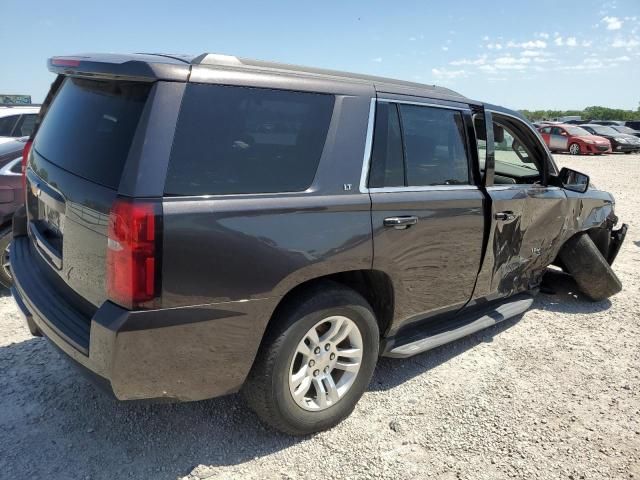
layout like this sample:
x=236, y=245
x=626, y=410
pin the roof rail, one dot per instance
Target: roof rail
x=221, y=60
x=216, y=59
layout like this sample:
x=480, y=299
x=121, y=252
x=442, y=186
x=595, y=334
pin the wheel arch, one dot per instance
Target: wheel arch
x=374, y=285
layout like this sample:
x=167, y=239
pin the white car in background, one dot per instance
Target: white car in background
x=17, y=121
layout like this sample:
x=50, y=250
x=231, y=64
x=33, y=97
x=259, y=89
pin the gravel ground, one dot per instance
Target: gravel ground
x=553, y=394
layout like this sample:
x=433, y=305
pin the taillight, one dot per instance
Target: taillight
x=25, y=158
x=133, y=251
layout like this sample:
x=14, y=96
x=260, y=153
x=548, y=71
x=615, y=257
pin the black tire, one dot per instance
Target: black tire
x=5, y=269
x=589, y=268
x=266, y=389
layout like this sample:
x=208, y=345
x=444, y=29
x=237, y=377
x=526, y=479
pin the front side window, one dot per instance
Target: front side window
x=235, y=140
x=513, y=157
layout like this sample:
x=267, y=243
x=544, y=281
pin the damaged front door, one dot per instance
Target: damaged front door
x=527, y=216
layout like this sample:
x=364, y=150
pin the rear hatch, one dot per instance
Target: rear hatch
x=74, y=171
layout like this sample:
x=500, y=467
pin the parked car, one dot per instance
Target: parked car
x=11, y=198
x=575, y=140
x=626, y=130
x=576, y=122
x=635, y=124
x=605, y=122
x=17, y=121
x=195, y=226
x=620, y=142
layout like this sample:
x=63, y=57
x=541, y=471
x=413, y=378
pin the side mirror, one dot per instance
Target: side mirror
x=574, y=181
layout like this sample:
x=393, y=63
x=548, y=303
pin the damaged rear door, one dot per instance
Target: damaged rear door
x=527, y=216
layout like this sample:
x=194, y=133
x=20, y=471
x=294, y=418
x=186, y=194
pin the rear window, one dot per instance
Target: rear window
x=7, y=124
x=89, y=127
x=247, y=140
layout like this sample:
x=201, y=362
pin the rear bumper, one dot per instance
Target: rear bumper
x=186, y=353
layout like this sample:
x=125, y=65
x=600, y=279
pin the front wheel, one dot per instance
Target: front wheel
x=574, y=149
x=315, y=361
x=591, y=271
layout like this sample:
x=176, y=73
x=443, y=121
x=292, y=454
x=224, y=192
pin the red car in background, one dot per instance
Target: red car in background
x=572, y=139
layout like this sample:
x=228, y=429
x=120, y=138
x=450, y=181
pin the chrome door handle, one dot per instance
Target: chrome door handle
x=400, y=223
x=505, y=216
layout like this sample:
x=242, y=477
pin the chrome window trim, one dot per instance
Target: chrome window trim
x=536, y=134
x=424, y=104
x=428, y=188
x=522, y=185
x=368, y=146
x=368, y=150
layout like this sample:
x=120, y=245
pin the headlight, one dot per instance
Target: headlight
x=621, y=140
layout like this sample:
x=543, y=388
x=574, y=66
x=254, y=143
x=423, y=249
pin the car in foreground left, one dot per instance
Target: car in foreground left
x=11, y=198
x=17, y=121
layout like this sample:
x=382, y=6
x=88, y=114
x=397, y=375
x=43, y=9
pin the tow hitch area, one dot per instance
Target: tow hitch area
x=617, y=237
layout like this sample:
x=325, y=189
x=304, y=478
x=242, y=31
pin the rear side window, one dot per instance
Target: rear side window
x=418, y=146
x=387, y=168
x=434, y=146
x=247, y=140
x=89, y=127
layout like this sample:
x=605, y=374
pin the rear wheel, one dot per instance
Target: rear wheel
x=6, y=278
x=315, y=362
x=591, y=271
x=574, y=149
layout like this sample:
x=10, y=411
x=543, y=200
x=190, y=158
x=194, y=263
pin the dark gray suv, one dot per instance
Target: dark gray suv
x=196, y=226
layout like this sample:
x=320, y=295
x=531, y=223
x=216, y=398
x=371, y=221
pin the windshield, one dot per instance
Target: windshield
x=625, y=130
x=603, y=130
x=576, y=131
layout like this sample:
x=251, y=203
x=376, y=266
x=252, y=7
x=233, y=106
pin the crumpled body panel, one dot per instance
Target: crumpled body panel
x=519, y=251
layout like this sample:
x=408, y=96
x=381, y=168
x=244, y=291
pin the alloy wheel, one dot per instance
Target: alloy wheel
x=326, y=363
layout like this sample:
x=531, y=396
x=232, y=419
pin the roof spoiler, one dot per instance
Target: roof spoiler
x=145, y=68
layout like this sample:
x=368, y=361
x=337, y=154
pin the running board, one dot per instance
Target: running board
x=435, y=335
